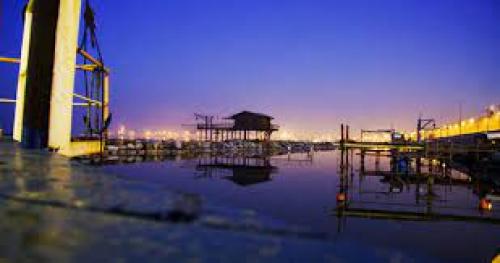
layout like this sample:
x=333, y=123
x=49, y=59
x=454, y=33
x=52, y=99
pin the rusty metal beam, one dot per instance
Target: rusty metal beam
x=10, y=60
x=89, y=57
x=96, y=62
x=86, y=67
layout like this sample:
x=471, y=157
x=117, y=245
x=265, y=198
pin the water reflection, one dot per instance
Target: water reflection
x=371, y=179
x=436, y=185
x=419, y=203
x=243, y=170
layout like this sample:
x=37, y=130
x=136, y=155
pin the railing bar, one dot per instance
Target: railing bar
x=3, y=100
x=10, y=60
x=87, y=67
x=86, y=98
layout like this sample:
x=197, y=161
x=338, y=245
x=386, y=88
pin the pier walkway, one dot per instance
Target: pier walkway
x=485, y=124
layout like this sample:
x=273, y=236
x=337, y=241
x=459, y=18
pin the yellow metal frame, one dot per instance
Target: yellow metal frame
x=62, y=92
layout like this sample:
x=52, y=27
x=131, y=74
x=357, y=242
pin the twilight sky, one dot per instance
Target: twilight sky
x=310, y=64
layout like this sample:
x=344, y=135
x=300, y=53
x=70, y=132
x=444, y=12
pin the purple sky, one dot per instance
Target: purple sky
x=310, y=64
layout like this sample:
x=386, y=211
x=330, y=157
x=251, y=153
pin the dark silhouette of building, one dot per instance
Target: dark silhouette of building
x=247, y=122
x=244, y=125
x=245, y=176
x=244, y=170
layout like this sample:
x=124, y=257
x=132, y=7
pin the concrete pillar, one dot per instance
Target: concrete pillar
x=63, y=82
x=47, y=73
x=23, y=72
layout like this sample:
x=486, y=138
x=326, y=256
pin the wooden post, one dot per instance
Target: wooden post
x=362, y=162
x=342, y=135
x=206, y=129
x=347, y=133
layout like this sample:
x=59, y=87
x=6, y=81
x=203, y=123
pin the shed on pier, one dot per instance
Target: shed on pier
x=245, y=125
x=250, y=121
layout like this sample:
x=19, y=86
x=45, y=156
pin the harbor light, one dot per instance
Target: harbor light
x=341, y=197
x=485, y=204
x=186, y=136
x=121, y=132
x=147, y=134
x=494, y=108
x=131, y=135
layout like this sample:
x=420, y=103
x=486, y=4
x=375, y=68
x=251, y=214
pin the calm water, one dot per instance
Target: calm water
x=301, y=189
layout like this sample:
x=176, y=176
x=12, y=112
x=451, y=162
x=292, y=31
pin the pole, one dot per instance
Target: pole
x=342, y=135
x=347, y=133
x=419, y=121
x=460, y=118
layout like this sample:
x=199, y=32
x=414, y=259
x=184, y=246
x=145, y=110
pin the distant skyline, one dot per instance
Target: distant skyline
x=310, y=64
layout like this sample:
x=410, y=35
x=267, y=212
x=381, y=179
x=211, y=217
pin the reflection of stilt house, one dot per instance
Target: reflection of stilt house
x=244, y=125
x=243, y=170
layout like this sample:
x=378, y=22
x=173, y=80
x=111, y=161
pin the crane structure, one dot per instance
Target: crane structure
x=423, y=124
x=46, y=81
x=206, y=126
